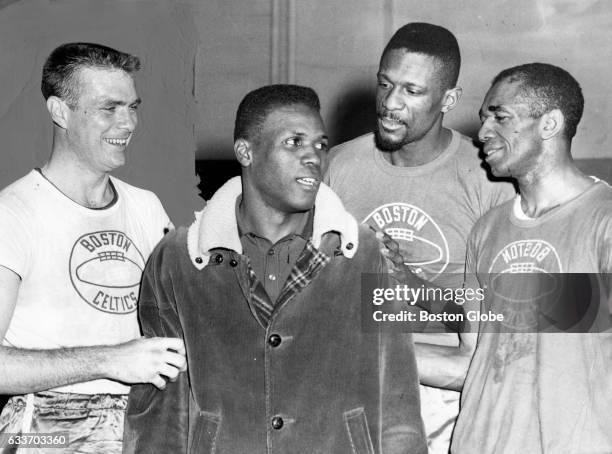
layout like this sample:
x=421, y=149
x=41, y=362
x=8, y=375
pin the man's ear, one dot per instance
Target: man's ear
x=552, y=124
x=451, y=99
x=58, y=110
x=244, y=152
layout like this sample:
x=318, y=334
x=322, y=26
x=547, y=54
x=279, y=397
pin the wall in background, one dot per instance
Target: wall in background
x=334, y=46
x=162, y=34
x=202, y=56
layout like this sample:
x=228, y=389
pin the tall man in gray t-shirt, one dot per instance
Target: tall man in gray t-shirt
x=422, y=184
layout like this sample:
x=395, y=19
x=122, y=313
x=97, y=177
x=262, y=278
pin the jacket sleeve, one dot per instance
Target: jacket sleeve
x=402, y=430
x=157, y=421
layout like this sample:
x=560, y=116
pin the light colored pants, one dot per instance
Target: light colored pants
x=92, y=423
x=439, y=410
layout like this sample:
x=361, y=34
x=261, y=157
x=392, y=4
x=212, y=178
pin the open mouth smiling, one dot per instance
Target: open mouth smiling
x=308, y=181
x=113, y=141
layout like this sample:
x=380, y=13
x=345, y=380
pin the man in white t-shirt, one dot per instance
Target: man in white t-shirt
x=73, y=244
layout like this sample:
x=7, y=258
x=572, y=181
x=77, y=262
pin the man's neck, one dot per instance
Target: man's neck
x=268, y=222
x=87, y=188
x=422, y=151
x=547, y=189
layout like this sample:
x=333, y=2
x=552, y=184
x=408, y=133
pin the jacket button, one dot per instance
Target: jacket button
x=349, y=246
x=198, y=260
x=233, y=263
x=274, y=340
x=277, y=422
x=219, y=258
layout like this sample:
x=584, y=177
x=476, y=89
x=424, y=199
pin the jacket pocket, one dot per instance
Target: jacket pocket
x=205, y=433
x=358, y=432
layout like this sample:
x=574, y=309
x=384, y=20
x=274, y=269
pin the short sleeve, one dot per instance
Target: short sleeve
x=15, y=238
x=157, y=222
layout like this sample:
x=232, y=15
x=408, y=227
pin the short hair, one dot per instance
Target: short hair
x=432, y=40
x=257, y=104
x=59, y=75
x=546, y=87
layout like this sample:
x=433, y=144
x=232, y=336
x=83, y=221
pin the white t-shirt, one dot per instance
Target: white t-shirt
x=80, y=268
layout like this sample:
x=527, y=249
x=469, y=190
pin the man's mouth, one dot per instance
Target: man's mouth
x=489, y=151
x=390, y=122
x=119, y=142
x=308, y=181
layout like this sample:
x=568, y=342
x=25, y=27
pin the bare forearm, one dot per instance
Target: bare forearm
x=442, y=366
x=152, y=360
x=23, y=371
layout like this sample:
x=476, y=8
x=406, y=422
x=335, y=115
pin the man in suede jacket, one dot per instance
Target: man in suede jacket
x=265, y=290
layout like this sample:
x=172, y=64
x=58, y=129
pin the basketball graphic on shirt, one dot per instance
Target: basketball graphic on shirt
x=421, y=241
x=523, y=281
x=105, y=270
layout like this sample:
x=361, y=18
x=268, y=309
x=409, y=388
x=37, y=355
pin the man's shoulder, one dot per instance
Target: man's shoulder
x=142, y=201
x=20, y=193
x=491, y=218
x=174, y=240
x=600, y=199
x=172, y=248
x=348, y=150
x=20, y=185
x=131, y=190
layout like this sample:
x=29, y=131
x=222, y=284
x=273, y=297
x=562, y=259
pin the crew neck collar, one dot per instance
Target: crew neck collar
x=438, y=161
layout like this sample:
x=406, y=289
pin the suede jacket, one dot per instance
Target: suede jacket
x=311, y=380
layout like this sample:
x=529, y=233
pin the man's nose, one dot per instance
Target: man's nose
x=127, y=119
x=485, y=132
x=393, y=100
x=312, y=156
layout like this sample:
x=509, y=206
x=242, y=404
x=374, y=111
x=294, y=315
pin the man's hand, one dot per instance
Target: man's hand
x=146, y=360
x=391, y=252
x=395, y=261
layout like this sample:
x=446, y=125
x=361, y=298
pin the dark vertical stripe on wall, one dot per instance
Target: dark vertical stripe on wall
x=282, y=62
x=388, y=23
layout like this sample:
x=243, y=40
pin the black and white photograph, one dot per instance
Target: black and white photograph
x=305, y=227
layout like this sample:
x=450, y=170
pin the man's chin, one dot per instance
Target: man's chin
x=387, y=144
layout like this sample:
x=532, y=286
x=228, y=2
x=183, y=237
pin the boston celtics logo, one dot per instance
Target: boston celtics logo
x=421, y=241
x=105, y=270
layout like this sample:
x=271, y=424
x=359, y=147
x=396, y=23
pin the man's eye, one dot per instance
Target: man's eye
x=294, y=141
x=383, y=84
x=134, y=107
x=321, y=146
x=500, y=118
x=110, y=109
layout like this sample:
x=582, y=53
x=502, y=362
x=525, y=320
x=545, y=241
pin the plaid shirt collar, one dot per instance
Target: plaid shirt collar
x=310, y=262
x=216, y=225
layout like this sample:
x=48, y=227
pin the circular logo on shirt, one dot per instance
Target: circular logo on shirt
x=421, y=241
x=105, y=270
x=522, y=278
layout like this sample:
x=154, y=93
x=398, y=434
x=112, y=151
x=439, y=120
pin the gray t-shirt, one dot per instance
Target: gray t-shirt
x=429, y=210
x=528, y=391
